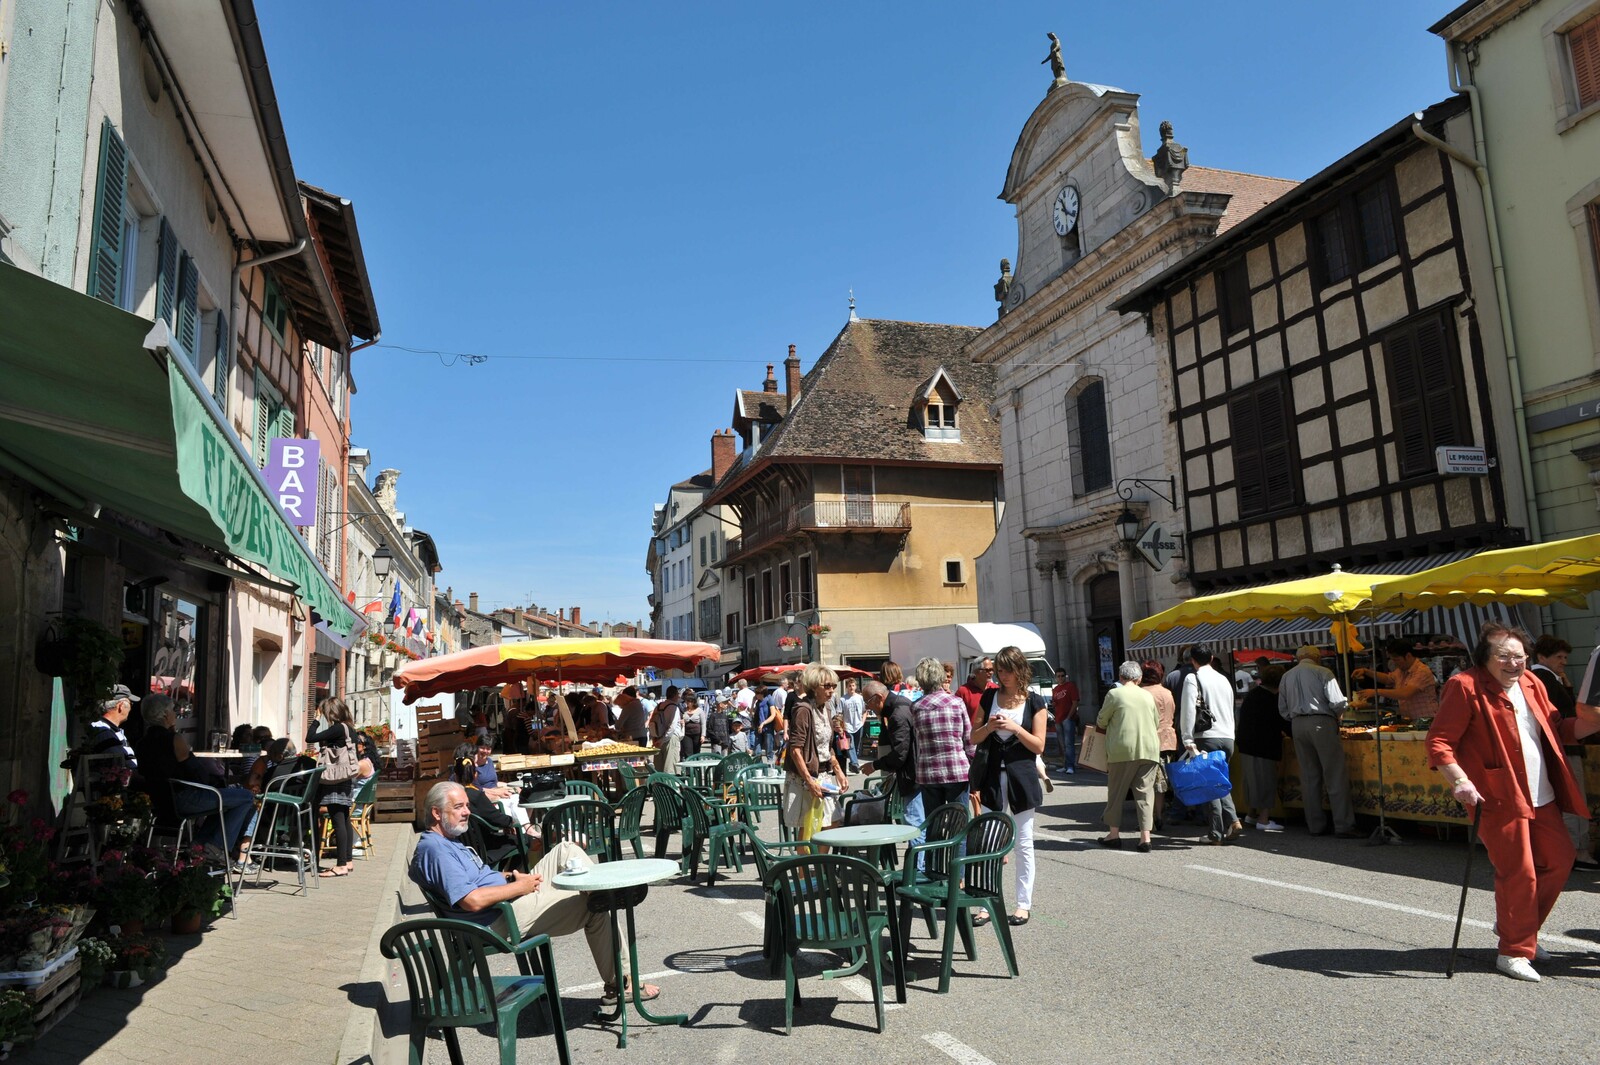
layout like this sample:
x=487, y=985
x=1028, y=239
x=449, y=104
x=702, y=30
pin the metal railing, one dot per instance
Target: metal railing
x=864, y=514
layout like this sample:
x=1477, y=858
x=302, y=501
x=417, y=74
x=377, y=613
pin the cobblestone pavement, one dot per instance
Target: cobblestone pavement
x=276, y=985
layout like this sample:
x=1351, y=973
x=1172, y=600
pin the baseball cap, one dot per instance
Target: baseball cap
x=118, y=693
x=1309, y=651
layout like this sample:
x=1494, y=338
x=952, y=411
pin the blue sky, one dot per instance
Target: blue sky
x=633, y=208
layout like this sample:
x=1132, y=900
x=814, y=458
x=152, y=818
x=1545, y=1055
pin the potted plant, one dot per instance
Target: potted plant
x=85, y=654
x=137, y=959
x=95, y=957
x=16, y=1018
x=188, y=894
x=126, y=894
x=24, y=852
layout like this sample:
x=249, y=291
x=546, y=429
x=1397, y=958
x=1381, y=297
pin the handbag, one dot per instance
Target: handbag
x=861, y=808
x=1203, y=721
x=1092, y=755
x=978, y=767
x=1200, y=778
x=338, y=763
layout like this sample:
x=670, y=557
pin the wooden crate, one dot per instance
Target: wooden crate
x=396, y=801
x=56, y=997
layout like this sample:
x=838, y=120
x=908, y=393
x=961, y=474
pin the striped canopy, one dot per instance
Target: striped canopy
x=597, y=660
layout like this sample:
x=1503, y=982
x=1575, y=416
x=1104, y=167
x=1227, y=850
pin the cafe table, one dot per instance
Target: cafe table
x=622, y=885
x=872, y=839
x=698, y=769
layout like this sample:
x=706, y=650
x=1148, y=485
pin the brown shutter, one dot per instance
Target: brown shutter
x=1248, y=472
x=1409, y=408
x=1442, y=387
x=1277, y=448
x=1584, y=43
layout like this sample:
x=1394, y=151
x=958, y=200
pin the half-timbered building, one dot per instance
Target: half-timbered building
x=1334, y=362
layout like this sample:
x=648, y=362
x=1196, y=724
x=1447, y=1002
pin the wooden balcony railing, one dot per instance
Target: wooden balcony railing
x=823, y=515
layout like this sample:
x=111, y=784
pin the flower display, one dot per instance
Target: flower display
x=788, y=643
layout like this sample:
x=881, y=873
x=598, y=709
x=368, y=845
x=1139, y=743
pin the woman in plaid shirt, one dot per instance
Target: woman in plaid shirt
x=944, y=739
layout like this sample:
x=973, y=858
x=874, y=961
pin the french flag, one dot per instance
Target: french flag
x=394, y=605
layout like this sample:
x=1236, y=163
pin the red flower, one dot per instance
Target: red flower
x=17, y=798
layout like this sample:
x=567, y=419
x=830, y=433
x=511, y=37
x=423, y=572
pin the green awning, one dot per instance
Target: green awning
x=91, y=416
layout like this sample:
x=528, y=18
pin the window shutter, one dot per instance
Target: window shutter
x=1279, y=486
x=222, y=368
x=1410, y=411
x=1584, y=43
x=111, y=200
x=285, y=420
x=1249, y=477
x=167, y=275
x=1440, y=380
x=188, y=323
x=1594, y=232
x=263, y=413
x=1378, y=237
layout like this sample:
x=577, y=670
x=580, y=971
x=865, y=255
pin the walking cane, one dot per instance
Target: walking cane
x=1466, y=878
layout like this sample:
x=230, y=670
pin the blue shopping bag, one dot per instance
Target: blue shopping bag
x=1201, y=778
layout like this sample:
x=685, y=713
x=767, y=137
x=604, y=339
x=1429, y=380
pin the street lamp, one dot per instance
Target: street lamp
x=382, y=561
x=1128, y=527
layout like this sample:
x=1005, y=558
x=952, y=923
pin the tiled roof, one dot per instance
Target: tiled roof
x=701, y=480
x=759, y=406
x=1249, y=192
x=856, y=401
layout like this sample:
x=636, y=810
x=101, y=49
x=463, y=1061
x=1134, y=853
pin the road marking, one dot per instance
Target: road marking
x=955, y=1049
x=1414, y=911
x=759, y=920
x=719, y=896
x=861, y=988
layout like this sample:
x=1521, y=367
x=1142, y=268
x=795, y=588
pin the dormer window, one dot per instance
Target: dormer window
x=935, y=409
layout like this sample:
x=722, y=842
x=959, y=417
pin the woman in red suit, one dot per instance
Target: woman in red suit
x=1497, y=740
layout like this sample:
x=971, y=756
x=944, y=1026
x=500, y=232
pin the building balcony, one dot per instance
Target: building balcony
x=820, y=516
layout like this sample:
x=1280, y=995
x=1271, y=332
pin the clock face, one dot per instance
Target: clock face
x=1066, y=210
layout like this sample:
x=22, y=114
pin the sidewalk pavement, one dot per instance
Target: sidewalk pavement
x=293, y=980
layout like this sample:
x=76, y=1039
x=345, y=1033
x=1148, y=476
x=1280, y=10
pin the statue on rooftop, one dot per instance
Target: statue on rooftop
x=1058, y=69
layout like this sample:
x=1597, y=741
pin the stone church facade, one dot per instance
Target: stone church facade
x=1083, y=406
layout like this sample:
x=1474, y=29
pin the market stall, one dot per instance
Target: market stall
x=1387, y=762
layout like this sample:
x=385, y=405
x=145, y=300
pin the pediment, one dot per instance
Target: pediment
x=708, y=579
x=1060, y=117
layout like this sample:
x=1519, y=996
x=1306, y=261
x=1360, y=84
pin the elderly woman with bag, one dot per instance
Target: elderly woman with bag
x=1130, y=721
x=808, y=752
x=1012, y=734
x=337, y=757
x=1497, y=742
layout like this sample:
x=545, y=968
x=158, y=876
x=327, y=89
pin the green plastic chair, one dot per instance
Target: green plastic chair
x=829, y=902
x=945, y=822
x=361, y=808
x=764, y=796
x=516, y=858
x=672, y=815
x=766, y=855
x=716, y=831
x=630, y=819
x=286, y=829
x=586, y=789
x=589, y=823
x=446, y=963
x=972, y=880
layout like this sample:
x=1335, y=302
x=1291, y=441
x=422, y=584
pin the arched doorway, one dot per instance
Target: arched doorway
x=1105, y=631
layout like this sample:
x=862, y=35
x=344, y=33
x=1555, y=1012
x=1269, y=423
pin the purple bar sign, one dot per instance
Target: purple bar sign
x=291, y=474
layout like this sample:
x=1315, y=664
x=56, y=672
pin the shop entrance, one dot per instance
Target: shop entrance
x=1105, y=632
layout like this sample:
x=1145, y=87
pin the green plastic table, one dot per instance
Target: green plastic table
x=613, y=886
x=697, y=770
x=872, y=839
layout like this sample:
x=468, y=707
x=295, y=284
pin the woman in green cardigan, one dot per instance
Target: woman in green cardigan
x=1129, y=719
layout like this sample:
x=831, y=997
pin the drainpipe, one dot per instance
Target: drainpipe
x=366, y=343
x=233, y=294
x=1497, y=260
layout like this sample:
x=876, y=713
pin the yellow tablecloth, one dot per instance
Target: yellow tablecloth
x=1411, y=791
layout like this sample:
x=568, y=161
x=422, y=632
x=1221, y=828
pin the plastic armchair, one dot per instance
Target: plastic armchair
x=361, y=808
x=233, y=878
x=288, y=798
x=945, y=822
x=516, y=858
x=828, y=902
x=630, y=818
x=716, y=830
x=766, y=855
x=589, y=823
x=585, y=789
x=762, y=794
x=672, y=815
x=972, y=880
x=447, y=970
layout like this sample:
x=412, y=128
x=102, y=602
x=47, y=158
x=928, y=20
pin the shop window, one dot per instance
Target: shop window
x=1265, y=460
x=1088, y=438
x=1425, y=392
x=1233, y=297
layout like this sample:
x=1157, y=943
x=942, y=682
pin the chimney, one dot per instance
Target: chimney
x=561, y=613
x=723, y=451
x=577, y=615
x=472, y=602
x=771, y=383
x=383, y=492
x=791, y=367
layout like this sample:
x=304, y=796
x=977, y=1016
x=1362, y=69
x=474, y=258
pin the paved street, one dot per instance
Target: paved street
x=1282, y=948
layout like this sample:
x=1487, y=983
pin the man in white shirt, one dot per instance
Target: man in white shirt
x=744, y=699
x=1310, y=699
x=1208, y=693
x=855, y=719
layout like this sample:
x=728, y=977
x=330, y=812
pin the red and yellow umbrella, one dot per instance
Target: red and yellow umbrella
x=596, y=660
x=767, y=674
